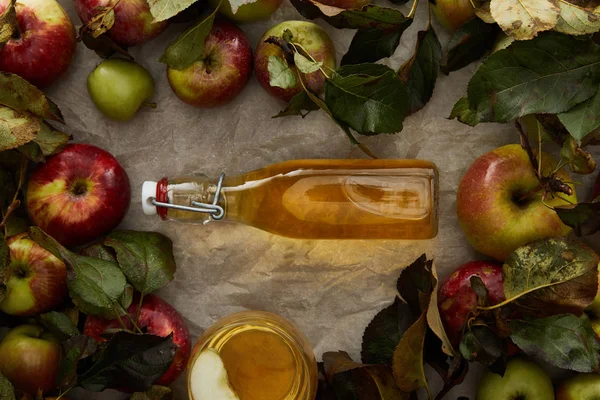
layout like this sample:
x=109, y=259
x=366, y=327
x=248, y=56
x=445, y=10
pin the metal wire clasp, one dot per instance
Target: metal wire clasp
x=215, y=210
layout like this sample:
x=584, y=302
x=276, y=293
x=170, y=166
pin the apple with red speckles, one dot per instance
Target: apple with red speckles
x=78, y=195
x=456, y=298
x=501, y=205
x=312, y=38
x=134, y=24
x=43, y=45
x=37, y=281
x=221, y=74
x=160, y=319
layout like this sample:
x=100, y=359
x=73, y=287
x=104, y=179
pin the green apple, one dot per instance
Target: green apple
x=580, y=387
x=523, y=380
x=499, y=204
x=250, y=12
x=30, y=358
x=314, y=40
x=37, y=281
x=120, y=87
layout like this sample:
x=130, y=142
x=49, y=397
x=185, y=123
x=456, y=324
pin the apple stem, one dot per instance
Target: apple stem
x=149, y=104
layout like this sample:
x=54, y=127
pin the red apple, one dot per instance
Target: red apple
x=37, y=282
x=500, y=206
x=79, y=194
x=250, y=12
x=43, y=46
x=456, y=298
x=354, y=4
x=30, y=358
x=452, y=14
x=160, y=319
x=133, y=21
x=221, y=74
x=314, y=40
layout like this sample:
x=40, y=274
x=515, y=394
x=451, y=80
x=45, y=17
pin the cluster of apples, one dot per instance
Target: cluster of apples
x=77, y=196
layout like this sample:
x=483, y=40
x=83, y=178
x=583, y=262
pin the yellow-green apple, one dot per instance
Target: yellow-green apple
x=456, y=298
x=354, y=4
x=249, y=12
x=160, y=319
x=452, y=14
x=79, y=194
x=134, y=24
x=120, y=87
x=523, y=380
x=37, y=281
x=580, y=387
x=312, y=38
x=221, y=74
x=43, y=44
x=30, y=358
x=500, y=205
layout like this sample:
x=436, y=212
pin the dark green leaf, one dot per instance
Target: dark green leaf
x=95, y=285
x=154, y=393
x=421, y=71
x=480, y=290
x=583, y=118
x=551, y=276
x=300, y=104
x=32, y=151
x=51, y=141
x=408, y=363
x=481, y=344
x=541, y=75
x=369, y=98
x=103, y=46
x=59, y=324
x=415, y=280
x=189, y=46
x=463, y=112
x=75, y=349
x=7, y=391
x=384, y=332
x=584, y=218
x=565, y=341
x=131, y=361
x=16, y=223
x=17, y=93
x=146, y=258
x=7, y=186
x=469, y=43
x=100, y=251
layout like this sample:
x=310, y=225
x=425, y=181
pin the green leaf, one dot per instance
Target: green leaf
x=16, y=128
x=463, y=112
x=7, y=391
x=530, y=77
x=584, y=218
x=162, y=10
x=100, y=251
x=352, y=380
x=154, y=393
x=103, y=46
x=16, y=223
x=59, y=324
x=146, y=258
x=236, y=4
x=131, y=361
x=420, y=72
x=583, y=118
x=189, y=46
x=8, y=23
x=408, y=364
x=576, y=20
x=551, y=276
x=75, y=349
x=369, y=98
x=305, y=65
x=468, y=44
x=481, y=344
x=95, y=285
x=415, y=281
x=384, y=332
x=32, y=151
x=51, y=141
x=17, y=93
x=301, y=104
x=579, y=160
x=280, y=74
x=565, y=341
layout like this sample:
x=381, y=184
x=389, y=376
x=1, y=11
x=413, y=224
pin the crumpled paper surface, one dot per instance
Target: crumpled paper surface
x=329, y=289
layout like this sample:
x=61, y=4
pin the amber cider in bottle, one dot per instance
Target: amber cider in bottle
x=311, y=199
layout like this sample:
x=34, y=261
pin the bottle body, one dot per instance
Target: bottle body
x=321, y=199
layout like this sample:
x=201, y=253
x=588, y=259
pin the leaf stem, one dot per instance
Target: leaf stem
x=15, y=203
x=413, y=9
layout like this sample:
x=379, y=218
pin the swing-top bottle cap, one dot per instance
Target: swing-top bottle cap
x=149, y=194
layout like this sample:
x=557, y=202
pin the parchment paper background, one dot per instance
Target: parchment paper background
x=330, y=289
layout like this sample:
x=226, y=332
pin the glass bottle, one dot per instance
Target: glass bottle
x=310, y=199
